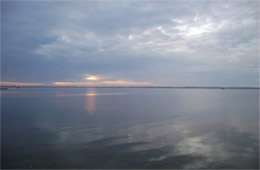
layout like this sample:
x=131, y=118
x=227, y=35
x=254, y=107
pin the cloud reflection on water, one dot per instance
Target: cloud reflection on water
x=147, y=129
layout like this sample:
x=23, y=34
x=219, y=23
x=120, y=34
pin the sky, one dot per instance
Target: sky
x=167, y=43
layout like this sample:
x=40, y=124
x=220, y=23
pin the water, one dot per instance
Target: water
x=130, y=128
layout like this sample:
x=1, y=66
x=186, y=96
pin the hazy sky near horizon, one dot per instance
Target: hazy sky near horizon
x=131, y=42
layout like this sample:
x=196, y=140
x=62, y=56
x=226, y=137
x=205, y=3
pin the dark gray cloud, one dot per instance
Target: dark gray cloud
x=166, y=43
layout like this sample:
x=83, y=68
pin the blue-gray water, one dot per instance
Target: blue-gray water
x=129, y=128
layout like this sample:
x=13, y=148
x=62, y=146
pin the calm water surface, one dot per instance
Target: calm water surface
x=129, y=128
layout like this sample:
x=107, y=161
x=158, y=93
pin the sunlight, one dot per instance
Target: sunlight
x=92, y=78
x=193, y=31
x=100, y=83
x=130, y=37
x=125, y=82
x=72, y=83
x=91, y=101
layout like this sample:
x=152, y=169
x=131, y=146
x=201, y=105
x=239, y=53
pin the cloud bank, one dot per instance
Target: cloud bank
x=159, y=43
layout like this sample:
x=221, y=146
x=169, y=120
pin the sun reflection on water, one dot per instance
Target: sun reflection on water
x=91, y=101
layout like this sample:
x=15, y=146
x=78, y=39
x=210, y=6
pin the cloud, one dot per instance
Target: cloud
x=140, y=41
x=126, y=82
x=103, y=83
x=6, y=83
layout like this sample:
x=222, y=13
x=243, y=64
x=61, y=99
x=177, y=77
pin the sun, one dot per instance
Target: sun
x=92, y=78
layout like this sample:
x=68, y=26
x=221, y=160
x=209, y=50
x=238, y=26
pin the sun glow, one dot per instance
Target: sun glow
x=72, y=83
x=125, y=82
x=92, y=78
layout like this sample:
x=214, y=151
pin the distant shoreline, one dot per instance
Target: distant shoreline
x=153, y=87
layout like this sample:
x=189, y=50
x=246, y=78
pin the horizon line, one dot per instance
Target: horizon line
x=167, y=86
